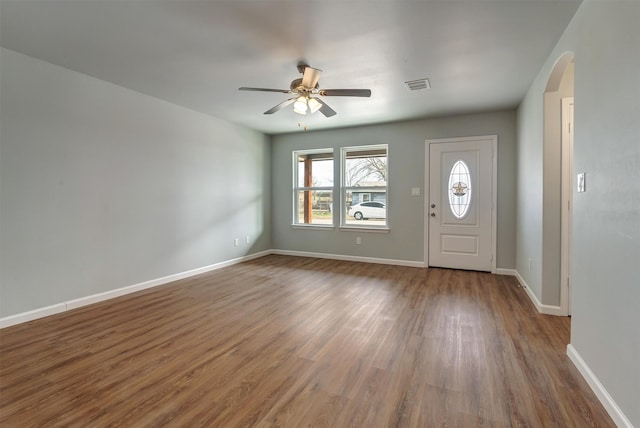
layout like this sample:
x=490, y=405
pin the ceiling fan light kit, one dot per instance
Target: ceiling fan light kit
x=304, y=105
x=300, y=106
x=314, y=105
x=303, y=90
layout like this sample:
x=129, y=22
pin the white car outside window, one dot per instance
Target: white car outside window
x=365, y=210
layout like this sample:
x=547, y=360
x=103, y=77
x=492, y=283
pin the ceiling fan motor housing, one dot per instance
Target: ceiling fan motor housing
x=296, y=86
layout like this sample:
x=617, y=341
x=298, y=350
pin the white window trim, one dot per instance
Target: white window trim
x=296, y=189
x=344, y=189
x=367, y=228
x=313, y=226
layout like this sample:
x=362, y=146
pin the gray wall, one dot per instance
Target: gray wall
x=406, y=140
x=605, y=38
x=102, y=187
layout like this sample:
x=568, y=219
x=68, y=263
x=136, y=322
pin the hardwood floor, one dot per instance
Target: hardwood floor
x=288, y=341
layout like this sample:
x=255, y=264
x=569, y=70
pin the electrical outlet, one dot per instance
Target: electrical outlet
x=530, y=262
x=246, y=239
x=358, y=240
x=236, y=242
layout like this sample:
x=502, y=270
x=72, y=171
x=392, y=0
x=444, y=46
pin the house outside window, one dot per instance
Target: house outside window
x=364, y=186
x=313, y=187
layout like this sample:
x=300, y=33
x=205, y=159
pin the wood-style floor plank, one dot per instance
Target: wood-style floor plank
x=288, y=341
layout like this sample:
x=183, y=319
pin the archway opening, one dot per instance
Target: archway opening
x=557, y=171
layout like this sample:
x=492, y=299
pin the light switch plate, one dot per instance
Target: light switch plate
x=415, y=191
x=581, y=182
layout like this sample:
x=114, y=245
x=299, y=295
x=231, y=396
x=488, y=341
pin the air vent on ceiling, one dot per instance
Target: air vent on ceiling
x=415, y=85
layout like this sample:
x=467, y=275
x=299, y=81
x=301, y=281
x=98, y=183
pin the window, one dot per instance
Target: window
x=313, y=187
x=364, y=186
x=459, y=189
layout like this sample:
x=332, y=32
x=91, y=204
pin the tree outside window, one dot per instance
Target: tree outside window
x=364, y=186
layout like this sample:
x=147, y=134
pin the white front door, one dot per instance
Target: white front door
x=461, y=221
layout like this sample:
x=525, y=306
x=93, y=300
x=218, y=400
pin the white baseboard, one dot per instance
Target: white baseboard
x=610, y=406
x=543, y=309
x=99, y=297
x=32, y=315
x=95, y=298
x=408, y=263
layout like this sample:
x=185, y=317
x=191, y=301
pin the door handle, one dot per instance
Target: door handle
x=433, y=214
x=433, y=205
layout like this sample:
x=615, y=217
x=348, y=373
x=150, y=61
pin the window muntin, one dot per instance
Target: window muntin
x=364, y=186
x=459, y=189
x=313, y=187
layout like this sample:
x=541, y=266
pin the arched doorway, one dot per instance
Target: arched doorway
x=557, y=188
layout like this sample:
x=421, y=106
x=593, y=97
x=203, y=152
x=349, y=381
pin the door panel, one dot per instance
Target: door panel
x=461, y=200
x=456, y=244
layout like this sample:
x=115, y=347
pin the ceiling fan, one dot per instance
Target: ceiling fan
x=307, y=93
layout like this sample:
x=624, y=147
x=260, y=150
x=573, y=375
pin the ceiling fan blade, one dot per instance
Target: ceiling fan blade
x=325, y=109
x=345, y=92
x=310, y=77
x=280, y=106
x=282, y=91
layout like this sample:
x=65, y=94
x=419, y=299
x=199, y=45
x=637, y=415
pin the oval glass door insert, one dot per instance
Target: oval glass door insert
x=459, y=189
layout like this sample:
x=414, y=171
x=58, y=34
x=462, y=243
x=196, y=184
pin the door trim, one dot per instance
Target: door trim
x=566, y=200
x=494, y=184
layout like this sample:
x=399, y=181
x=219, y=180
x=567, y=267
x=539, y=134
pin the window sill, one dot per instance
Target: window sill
x=372, y=229
x=313, y=226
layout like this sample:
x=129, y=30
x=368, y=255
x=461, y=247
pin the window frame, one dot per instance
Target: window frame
x=344, y=189
x=296, y=223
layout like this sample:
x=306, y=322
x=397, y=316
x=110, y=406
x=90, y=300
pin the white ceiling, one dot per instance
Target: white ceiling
x=478, y=54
